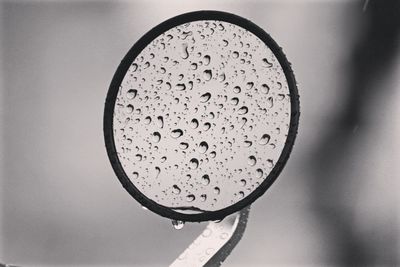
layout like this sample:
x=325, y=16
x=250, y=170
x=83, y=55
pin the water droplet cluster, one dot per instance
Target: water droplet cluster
x=201, y=116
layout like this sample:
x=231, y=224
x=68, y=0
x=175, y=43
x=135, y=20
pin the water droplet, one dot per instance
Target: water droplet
x=206, y=126
x=205, y=179
x=205, y=97
x=270, y=102
x=129, y=109
x=184, y=51
x=264, y=139
x=243, y=182
x=178, y=225
x=156, y=137
x=259, y=173
x=194, y=123
x=158, y=171
x=176, y=133
x=206, y=60
x=203, y=147
x=266, y=63
x=270, y=163
x=190, y=198
x=264, y=88
x=237, y=89
x=131, y=94
x=217, y=190
x=183, y=145
x=194, y=163
x=207, y=75
x=252, y=160
x=235, y=101
x=249, y=85
x=180, y=87
x=194, y=66
x=235, y=54
x=160, y=121
x=135, y=175
x=176, y=190
x=243, y=110
x=203, y=197
x=147, y=120
x=247, y=143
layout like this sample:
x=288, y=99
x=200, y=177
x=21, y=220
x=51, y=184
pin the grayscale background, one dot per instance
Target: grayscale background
x=335, y=204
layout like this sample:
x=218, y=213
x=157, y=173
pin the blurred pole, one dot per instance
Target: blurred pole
x=372, y=61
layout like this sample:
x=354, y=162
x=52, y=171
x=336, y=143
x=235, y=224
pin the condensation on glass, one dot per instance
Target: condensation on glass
x=201, y=117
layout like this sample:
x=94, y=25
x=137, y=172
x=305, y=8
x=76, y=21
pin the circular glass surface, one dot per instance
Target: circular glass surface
x=201, y=116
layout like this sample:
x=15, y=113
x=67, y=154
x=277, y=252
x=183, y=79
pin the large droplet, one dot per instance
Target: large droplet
x=160, y=121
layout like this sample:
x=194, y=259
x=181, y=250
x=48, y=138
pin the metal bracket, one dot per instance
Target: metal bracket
x=215, y=243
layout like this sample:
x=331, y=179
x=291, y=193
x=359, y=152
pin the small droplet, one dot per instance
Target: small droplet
x=237, y=89
x=178, y=225
x=194, y=123
x=129, y=109
x=243, y=110
x=266, y=63
x=264, y=139
x=205, y=179
x=203, y=147
x=235, y=54
x=190, y=198
x=194, y=163
x=206, y=60
x=180, y=87
x=252, y=160
x=259, y=173
x=249, y=85
x=217, y=190
x=135, y=175
x=176, y=133
x=184, y=51
x=147, y=120
x=264, y=88
x=176, y=190
x=206, y=126
x=156, y=137
x=183, y=145
x=205, y=97
x=131, y=94
x=247, y=143
x=207, y=75
x=160, y=121
x=235, y=101
x=270, y=102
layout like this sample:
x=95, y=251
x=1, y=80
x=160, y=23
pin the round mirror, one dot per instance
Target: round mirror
x=201, y=116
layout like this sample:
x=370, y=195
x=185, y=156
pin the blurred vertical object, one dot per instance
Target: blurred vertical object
x=358, y=240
